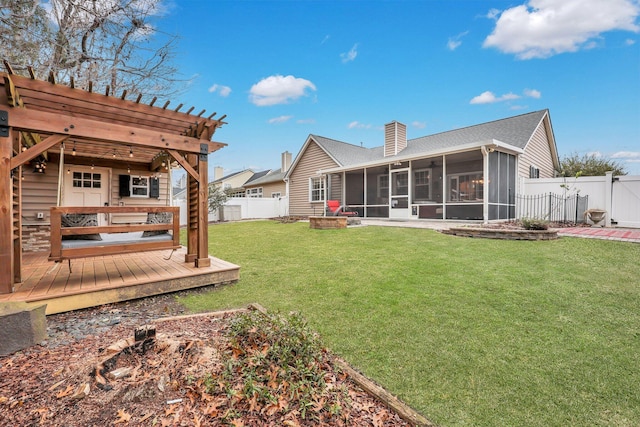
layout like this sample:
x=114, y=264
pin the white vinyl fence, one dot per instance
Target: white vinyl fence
x=238, y=208
x=619, y=196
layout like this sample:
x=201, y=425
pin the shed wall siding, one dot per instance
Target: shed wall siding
x=537, y=153
x=163, y=200
x=311, y=160
x=39, y=193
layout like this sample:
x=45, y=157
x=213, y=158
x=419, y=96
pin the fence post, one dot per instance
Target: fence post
x=550, y=201
x=608, y=198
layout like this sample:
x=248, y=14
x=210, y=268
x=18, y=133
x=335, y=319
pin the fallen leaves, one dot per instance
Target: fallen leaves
x=54, y=388
x=122, y=417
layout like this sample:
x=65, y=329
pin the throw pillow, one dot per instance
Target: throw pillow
x=158, y=218
x=80, y=220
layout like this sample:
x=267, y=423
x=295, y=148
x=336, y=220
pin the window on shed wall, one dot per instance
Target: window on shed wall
x=139, y=186
x=316, y=189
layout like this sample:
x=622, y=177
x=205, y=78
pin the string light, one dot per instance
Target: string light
x=73, y=152
x=130, y=151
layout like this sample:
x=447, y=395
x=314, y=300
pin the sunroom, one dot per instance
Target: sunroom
x=477, y=185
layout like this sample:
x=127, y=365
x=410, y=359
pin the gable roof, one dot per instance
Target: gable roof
x=513, y=133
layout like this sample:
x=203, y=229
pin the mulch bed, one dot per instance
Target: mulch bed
x=171, y=383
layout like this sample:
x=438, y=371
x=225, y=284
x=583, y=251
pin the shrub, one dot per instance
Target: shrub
x=535, y=224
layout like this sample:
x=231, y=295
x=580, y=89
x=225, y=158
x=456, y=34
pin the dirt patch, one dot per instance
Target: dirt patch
x=176, y=378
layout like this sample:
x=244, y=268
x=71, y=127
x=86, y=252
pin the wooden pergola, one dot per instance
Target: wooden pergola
x=37, y=117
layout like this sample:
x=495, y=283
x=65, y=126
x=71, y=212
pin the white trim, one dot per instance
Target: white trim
x=322, y=189
x=147, y=186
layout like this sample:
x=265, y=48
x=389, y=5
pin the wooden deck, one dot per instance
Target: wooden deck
x=106, y=279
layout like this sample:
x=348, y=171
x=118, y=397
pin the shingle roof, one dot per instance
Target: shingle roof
x=348, y=154
x=224, y=178
x=515, y=131
x=256, y=176
x=272, y=176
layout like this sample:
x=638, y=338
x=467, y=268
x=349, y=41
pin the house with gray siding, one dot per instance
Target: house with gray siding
x=464, y=174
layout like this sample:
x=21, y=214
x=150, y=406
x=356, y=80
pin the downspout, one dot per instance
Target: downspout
x=485, y=180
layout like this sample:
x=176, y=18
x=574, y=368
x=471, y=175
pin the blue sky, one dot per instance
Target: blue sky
x=281, y=70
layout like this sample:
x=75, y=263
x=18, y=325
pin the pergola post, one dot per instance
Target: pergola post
x=6, y=210
x=203, y=259
x=192, y=213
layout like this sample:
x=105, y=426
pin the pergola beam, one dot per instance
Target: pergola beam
x=36, y=150
x=82, y=128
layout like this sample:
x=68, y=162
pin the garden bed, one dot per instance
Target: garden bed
x=502, y=233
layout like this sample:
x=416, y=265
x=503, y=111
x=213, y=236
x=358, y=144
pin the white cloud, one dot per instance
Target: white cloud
x=489, y=97
x=306, y=121
x=358, y=125
x=280, y=119
x=351, y=55
x=222, y=90
x=594, y=154
x=325, y=39
x=543, y=28
x=532, y=93
x=279, y=90
x=626, y=155
x=455, y=41
x=418, y=125
x=629, y=42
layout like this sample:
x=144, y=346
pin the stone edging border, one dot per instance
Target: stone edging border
x=403, y=410
x=502, y=233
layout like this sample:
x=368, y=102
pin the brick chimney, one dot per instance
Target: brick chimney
x=395, y=138
x=286, y=161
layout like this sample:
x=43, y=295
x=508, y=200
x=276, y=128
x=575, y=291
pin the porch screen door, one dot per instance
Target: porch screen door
x=399, y=207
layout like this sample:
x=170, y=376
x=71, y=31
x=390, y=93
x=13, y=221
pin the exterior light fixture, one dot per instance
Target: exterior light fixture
x=73, y=152
x=130, y=151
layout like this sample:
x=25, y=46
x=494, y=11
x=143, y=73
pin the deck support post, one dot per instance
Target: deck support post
x=6, y=214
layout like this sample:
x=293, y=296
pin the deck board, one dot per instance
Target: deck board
x=105, y=279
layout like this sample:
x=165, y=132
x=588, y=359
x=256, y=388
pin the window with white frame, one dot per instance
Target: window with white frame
x=254, y=192
x=139, y=186
x=316, y=189
x=421, y=184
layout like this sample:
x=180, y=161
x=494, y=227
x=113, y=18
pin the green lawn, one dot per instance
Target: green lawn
x=466, y=331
